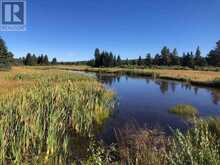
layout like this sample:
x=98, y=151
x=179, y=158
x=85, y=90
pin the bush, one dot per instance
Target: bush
x=184, y=110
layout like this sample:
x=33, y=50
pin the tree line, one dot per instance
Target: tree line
x=165, y=58
x=105, y=59
x=7, y=58
x=32, y=60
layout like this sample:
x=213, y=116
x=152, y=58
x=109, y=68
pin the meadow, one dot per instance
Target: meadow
x=51, y=116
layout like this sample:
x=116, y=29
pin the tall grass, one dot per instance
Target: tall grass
x=39, y=124
x=198, y=146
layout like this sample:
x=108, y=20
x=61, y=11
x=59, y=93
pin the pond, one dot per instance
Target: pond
x=146, y=102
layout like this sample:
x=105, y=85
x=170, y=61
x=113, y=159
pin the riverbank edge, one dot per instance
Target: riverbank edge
x=138, y=72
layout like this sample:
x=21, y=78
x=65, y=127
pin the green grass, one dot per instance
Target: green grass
x=198, y=146
x=40, y=123
x=184, y=110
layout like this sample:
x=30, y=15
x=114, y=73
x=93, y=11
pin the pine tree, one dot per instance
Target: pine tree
x=139, y=61
x=54, y=61
x=175, y=60
x=3, y=49
x=157, y=60
x=165, y=53
x=28, y=60
x=199, y=60
x=148, y=60
x=40, y=60
x=45, y=60
x=97, y=58
x=214, y=56
x=118, y=60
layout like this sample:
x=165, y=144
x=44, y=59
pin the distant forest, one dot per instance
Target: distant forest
x=165, y=58
x=7, y=58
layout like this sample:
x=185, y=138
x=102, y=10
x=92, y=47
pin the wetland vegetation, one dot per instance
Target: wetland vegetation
x=51, y=115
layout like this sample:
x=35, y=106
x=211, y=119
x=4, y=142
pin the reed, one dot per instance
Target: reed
x=39, y=123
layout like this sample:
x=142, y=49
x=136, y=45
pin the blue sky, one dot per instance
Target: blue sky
x=71, y=29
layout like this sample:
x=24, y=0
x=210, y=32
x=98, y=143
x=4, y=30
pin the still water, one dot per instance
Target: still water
x=146, y=102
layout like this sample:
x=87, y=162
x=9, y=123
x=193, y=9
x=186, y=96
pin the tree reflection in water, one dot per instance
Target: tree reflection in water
x=164, y=85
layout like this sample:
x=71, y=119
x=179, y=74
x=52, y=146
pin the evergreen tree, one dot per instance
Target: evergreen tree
x=139, y=61
x=54, y=61
x=157, y=60
x=45, y=60
x=3, y=49
x=199, y=60
x=97, y=58
x=111, y=62
x=28, y=60
x=118, y=60
x=127, y=62
x=5, y=57
x=188, y=60
x=214, y=56
x=40, y=59
x=148, y=60
x=114, y=61
x=175, y=60
x=165, y=53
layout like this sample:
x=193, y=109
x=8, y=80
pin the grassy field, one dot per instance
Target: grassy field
x=204, y=78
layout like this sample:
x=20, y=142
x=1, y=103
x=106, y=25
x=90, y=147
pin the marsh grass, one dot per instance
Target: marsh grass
x=184, y=110
x=41, y=123
x=141, y=146
x=198, y=146
x=213, y=125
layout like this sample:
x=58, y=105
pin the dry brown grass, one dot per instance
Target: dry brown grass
x=189, y=74
x=7, y=85
x=200, y=76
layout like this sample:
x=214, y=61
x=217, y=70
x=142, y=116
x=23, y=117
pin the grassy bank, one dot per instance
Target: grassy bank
x=49, y=117
x=203, y=78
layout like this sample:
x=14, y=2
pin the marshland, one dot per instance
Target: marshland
x=62, y=113
x=109, y=82
x=58, y=116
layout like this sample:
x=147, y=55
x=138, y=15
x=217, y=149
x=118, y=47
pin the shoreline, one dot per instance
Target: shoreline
x=215, y=83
